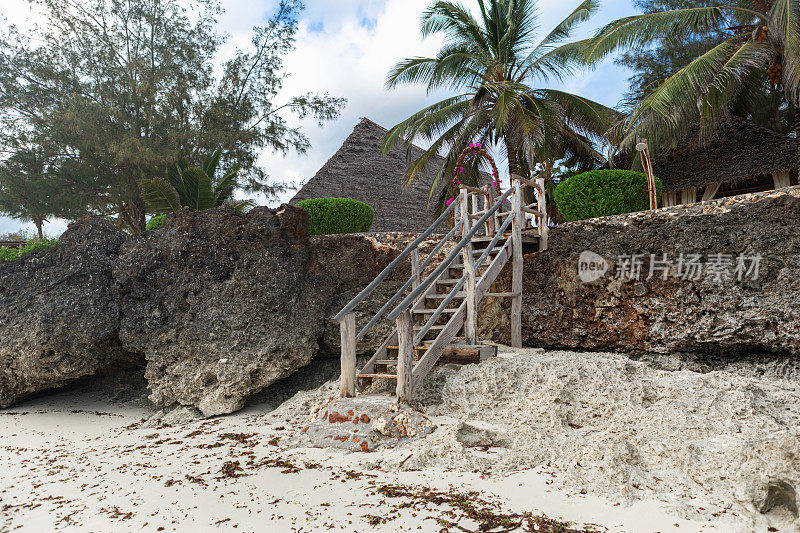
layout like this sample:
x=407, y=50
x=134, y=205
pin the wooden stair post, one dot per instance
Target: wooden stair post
x=405, y=355
x=416, y=273
x=471, y=322
x=544, y=229
x=347, y=328
x=517, y=264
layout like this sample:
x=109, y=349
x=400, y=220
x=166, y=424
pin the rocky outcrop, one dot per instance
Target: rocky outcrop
x=59, y=313
x=224, y=304
x=723, y=311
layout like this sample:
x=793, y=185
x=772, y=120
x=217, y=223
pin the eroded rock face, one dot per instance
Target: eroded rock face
x=731, y=317
x=224, y=304
x=59, y=313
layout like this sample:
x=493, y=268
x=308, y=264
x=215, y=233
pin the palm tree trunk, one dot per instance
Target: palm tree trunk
x=513, y=162
x=39, y=225
x=797, y=138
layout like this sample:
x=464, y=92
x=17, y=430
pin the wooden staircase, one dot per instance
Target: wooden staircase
x=433, y=311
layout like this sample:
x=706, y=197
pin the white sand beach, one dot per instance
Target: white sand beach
x=77, y=460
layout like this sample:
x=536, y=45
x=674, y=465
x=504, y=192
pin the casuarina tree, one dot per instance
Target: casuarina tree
x=124, y=88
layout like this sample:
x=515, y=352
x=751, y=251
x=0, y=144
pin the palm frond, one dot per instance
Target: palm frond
x=199, y=190
x=638, y=30
x=160, y=196
x=241, y=206
x=223, y=191
x=211, y=163
x=786, y=19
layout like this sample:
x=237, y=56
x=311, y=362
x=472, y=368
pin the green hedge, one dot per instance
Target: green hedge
x=337, y=215
x=10, y=254
x=601, y=193
x=155, y=223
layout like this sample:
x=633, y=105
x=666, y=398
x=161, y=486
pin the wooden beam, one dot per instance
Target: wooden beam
x=522, y=180
x=516, y=275
x=472, y=189
x=669, y=198
x=427, y=362
x=487, y=205
x=689, y=196
x=711, y=191
x=416, y=273
x=544, y=227
x=405, y=356
x=534, y=212
x=782, y=179
x=347, y=328
x=471, y=325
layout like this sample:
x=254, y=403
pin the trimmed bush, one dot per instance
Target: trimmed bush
x=155, y=223
x=10, y=254
x=327, y=216
x=601, y=193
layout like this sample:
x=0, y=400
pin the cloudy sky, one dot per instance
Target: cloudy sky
x=346, y=47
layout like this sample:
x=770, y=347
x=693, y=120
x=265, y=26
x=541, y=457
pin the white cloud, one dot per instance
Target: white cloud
x=346, y=48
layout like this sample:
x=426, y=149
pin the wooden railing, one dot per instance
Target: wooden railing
x=492, y=222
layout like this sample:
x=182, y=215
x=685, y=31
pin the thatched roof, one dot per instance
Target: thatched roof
x=740, y=150
x=359, y=171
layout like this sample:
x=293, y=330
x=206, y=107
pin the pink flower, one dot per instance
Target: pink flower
x=450, y=201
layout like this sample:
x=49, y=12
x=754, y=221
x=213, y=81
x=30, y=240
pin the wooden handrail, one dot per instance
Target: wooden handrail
x=474, y=189
x=407, y=284
x=392, y=266
x=532, y=211
x=493, y=243
x=411, y=298
x=524, y=181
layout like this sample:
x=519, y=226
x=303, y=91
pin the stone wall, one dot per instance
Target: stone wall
x=715, y=314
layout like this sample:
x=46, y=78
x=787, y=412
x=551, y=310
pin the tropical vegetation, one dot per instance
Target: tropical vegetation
x=155, y=222
x=29, y=191
x=328, y=216
x=744, y=59
x=197, y=188
x=493, y=62
x=600, y=193
x=113, y=91
x=8, y=253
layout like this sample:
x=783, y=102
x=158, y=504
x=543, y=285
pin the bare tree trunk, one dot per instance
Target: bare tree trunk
x=135, y=214
x=39, y=225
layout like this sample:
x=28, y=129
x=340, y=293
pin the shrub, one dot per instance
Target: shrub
x=155, y=223
x=10, y=254
x=601, y=193
x=337, y=215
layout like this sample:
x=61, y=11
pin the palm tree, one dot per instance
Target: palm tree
x=756, y=65
x=193, y=187
x=491, y=62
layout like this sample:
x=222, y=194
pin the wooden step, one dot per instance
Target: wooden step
x=443, y=296
x=377, y=376
x=431, y=328
x=417, y=348
x=432, y=311
x=448, y=281
x=484, y=238
x=386, y=362
x=492, y=252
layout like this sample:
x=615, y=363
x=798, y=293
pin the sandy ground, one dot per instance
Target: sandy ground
x=78, y=461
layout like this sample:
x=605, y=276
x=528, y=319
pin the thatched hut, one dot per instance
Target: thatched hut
x=358, y=170
x=742, y=157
